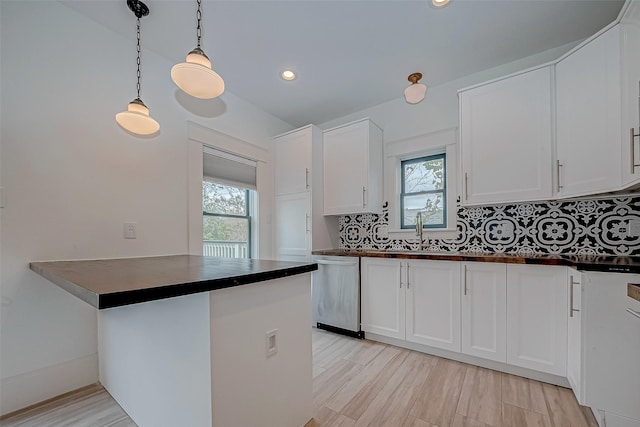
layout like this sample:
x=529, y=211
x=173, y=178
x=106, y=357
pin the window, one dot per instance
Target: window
x=423, y=189
x=226, y=222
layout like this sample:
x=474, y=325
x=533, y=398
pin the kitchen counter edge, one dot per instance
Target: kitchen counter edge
x=602, y=263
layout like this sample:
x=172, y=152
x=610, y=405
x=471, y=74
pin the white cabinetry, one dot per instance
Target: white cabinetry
x=506, y=139
x=574, y=334
x=433, y=304
x=597, y=92
x=588, y=117
x=631, y=97
x=293, y=160
x=299, y=223
x=353, y=168
x=293, y=232
x=383, y=300
x=484, y=303
x=611, y=346
x=537, y=317
x=416, y=301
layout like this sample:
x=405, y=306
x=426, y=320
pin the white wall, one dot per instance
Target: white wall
x=72, y=177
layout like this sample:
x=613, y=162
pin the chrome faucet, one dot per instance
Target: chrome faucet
x=419, y=229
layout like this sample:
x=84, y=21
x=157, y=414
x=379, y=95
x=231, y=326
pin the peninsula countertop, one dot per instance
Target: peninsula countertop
x=605, y=263
x=108, y=283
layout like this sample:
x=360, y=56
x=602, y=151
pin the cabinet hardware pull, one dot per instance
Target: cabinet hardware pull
x=466, y=186
x=633, y=312
x=306, y=222
x=464, y=278
x=306, y=178
x=632, y=137
x=558, y=166
x=408, y=281
x=400, y=275
x=364, y=200
x=571, y=309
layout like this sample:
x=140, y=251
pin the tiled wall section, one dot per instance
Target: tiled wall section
x=587, y=226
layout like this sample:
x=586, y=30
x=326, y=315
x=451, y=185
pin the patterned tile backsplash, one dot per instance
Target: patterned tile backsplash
x=580, y=227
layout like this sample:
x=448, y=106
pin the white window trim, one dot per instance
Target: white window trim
x=444, y=141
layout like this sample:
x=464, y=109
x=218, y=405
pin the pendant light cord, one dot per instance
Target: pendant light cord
x=138, y=61
x=199, y=18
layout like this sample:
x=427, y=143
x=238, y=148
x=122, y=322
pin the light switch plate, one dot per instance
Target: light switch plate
x=633, y=228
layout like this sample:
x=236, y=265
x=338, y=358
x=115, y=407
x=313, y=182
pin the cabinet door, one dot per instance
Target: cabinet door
x=293, y=227
x=505, y=130
x=433, y=304
x=612, y=344
x=588, y=117
x=574, y=334
x=484, y=302
x=631, y=102
x=383, y=297
x=537, y=317
x=353, y=169
x=293, y=162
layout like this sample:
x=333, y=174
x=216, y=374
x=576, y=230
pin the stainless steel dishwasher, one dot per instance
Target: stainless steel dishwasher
x=336, y=294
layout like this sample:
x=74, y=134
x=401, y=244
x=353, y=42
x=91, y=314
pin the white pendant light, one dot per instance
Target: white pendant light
x=416, y=91
x=195, y=76
x=137, y=119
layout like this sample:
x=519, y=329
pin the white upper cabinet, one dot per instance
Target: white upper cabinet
x=598, y=96
x=293, y=160
x=506, y=139
x=631, y=100
x=588, y=117
x=353, y=168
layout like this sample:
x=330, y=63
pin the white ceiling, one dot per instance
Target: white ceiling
x=350, y=54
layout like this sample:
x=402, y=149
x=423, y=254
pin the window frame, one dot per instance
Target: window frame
x=443, y=191
x=247, y=209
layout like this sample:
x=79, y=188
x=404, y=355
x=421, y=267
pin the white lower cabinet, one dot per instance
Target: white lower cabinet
x=293, y=227
x=382, y=293
x=484, y=299
x=537, y=312
x=433, y=304
x=416, y=301
x=574, y=335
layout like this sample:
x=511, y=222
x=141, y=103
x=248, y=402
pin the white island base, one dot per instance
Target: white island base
x=202, y=359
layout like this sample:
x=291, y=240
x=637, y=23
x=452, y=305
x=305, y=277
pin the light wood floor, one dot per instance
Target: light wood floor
x=364, y=383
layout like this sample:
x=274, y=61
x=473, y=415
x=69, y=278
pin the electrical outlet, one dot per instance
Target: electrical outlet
x=633, y=228
x=130, y=230
x=271, y=342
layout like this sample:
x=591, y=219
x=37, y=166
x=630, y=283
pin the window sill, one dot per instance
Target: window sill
x=441, y=233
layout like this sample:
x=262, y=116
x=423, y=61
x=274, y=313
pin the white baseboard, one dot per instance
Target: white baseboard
x=472, y=360
x=27, y=389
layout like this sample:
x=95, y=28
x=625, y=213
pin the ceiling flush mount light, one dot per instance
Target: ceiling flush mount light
x=439, y=3
x=136, y=119
x=416, y=91
x=195, y=76
x=288, y=75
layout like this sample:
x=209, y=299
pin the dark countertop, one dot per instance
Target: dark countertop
x=110, y=283
x=617, y=264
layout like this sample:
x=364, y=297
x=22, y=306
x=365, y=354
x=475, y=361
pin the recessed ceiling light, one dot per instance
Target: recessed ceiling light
x=288, y=75
x=438, y=3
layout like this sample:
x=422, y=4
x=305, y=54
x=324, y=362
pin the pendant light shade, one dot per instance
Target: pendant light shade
x=137, y=119
x=195, y=76
x=416, y=91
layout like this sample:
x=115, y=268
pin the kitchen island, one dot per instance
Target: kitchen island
x=199, y=341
